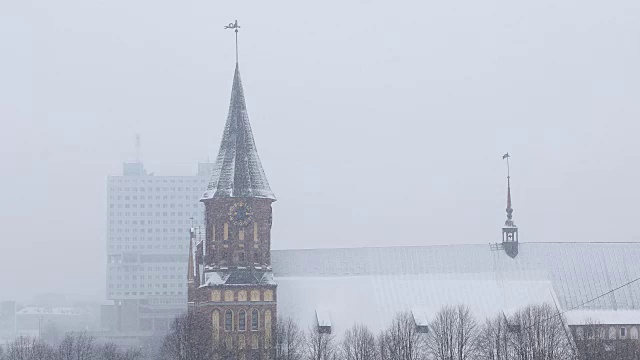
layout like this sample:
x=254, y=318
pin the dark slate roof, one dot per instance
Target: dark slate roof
x=237, y=171
x=377, y=282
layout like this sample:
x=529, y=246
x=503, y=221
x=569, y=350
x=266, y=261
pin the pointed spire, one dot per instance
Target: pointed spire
x=238, y=171
x=509, y=221
x=191, y=270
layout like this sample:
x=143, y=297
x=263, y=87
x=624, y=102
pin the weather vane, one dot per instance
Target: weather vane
x=235, y=26
x=507, y=156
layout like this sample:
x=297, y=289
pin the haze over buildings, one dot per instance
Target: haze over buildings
x=148, y=220
x=380, y=124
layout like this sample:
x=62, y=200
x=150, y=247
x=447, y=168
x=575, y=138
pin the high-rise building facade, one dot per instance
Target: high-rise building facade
x=148, y=222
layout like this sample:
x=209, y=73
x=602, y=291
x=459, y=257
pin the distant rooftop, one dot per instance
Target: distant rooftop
x=137, y=169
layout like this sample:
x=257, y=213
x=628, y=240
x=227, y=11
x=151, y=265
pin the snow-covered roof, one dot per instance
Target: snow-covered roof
x=323, y=317
x=238, y=276
x=66, y=311
x=370, y=285
x=237, y=171
x=609, y=317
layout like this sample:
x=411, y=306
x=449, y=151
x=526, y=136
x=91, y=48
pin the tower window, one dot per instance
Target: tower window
x=241, y=234
x=623, y=332
x=228, y=320
x=216, y=325
x=255, y=320
x=255, y=231
x=226, y=231
x=242, y=320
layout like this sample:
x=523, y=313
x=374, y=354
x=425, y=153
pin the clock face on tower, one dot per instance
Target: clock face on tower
x=240, y=213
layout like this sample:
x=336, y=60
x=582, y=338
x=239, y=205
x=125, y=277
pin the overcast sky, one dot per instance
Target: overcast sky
x=379, y=123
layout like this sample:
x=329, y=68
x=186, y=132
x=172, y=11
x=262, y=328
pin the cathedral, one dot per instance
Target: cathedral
x=230, y=279
x=240, y=286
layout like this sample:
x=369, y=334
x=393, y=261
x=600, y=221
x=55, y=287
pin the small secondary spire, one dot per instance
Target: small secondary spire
x=235, y=26
x=509, y=221
x=509, y=230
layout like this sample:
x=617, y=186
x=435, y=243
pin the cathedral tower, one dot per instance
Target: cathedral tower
x=233, y=286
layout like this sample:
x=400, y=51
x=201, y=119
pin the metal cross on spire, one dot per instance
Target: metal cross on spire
x=235, y=26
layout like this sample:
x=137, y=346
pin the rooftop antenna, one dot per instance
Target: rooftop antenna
x=235, y=26
x=138, y=159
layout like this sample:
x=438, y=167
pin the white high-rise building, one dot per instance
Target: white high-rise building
x=148, y=222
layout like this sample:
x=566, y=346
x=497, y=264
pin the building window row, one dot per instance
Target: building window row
x=241, y=295
x=229, y=320
x=241, y=326
x=614, y=332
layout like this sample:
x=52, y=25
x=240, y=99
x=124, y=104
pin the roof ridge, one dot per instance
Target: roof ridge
x=454, y=245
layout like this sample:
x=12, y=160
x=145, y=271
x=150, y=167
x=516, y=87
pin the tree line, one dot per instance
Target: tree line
x=73, y=346
x=536, y=332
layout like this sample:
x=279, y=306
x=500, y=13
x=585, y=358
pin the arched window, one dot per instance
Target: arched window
x=242, y=320
x=215, y=323
x=267, y=329
x=228, y=320
x=255, y=322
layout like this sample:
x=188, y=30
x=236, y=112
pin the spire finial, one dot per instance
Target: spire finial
x=509, y=221
x=235, y=26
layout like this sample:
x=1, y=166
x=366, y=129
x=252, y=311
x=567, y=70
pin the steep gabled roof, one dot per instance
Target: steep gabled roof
x=370, y=285
x=237, y=171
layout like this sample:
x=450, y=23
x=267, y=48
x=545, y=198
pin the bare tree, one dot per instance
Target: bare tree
x=25, y=348
x=591, y=341
x=359, y=343
x=382, y=348
x=452, y=334
x=319, y=345
x=539, y=334
x=289, y=340
x=110, y=351
x=76, y=346
x=189, y=339
x=493, y=340
x=401, y=340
